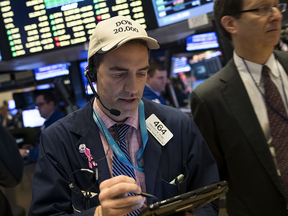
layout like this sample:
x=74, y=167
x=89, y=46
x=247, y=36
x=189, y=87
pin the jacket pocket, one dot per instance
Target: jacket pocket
x=171, y=190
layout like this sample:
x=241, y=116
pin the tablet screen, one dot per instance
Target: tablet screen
x=190, y=201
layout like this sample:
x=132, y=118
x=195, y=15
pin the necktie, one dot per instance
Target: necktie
x=278, y=125
x=118, y=168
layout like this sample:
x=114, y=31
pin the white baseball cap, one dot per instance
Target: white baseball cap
x=116, y=31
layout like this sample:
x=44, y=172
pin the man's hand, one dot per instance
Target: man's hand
x=114, y=199
x=23, y=151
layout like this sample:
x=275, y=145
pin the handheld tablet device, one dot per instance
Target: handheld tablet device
x=190, y=201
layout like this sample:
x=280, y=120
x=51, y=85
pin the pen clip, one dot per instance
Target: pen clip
x=177, y=183
x=179, y=178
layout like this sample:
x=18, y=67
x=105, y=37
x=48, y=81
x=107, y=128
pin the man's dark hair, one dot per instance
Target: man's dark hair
x=226, y=7
x=155, y=65
x=98, y=58
x=48, y=97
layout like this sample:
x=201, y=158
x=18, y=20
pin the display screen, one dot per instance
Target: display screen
x=88, y=89
x=35, y=26
x=43, y=87
x=24, y=100
x=202, y=41
x=51, y=71
x=32, y=118
x=11, y=104
x=169, y=12
x=180, y=64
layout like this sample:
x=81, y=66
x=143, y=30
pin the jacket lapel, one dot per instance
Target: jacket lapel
x=86, y=128
x=237, y=98
x=152, y=155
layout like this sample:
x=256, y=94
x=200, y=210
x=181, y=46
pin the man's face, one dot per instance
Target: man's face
x=45, y=109
x=121, y=78
x=259, y=32
x=158, y=81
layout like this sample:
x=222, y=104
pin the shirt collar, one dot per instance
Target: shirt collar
x=157, y=93
x=256, y=69
x=133, y=121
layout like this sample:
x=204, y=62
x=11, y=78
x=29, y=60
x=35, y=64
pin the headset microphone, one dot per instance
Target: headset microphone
x=112, y=111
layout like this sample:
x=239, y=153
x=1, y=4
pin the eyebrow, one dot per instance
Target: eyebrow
x=124, y=69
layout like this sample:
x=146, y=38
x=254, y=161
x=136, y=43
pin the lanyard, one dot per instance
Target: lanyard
x=266, y=100
x=115, y=146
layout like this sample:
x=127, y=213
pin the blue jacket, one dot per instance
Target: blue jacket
x=34, y=152
x=150, y=95
x=185, y=153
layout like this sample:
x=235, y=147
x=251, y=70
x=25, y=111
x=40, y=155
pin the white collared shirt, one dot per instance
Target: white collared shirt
x=257, y=100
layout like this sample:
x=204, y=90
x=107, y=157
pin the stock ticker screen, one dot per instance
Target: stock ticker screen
x=169, y=12
x=35, y=26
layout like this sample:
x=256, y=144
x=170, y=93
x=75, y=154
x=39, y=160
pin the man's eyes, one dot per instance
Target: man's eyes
x=142, y=73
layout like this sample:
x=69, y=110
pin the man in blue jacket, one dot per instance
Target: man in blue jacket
x=80, y=164
x=155, y=83
x=46, y=104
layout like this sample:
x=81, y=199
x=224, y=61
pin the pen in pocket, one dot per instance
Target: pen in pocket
x=179, y=178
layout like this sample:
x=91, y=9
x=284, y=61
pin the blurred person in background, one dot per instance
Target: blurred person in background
x=156, y=82
x=11, y=168
x=46, y=104
x=5, y=116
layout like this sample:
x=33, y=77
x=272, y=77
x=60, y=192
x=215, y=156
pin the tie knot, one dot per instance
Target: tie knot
x=265, y=71
x=122, y=131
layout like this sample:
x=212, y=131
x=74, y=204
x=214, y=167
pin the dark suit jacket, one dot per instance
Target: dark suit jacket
x=11, y=167
x=224, y=114
x=185, y=153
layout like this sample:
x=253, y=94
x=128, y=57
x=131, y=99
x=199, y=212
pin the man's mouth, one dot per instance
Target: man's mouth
x=128, y=99
x=272, y=30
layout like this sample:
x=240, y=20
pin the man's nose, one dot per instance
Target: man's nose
x=131, y=84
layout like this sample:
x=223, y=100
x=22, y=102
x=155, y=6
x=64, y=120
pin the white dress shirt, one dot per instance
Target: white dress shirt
x=280, y=79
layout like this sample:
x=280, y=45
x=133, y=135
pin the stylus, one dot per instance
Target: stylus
x=147, y=195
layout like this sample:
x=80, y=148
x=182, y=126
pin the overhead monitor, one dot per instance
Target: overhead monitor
x=35, y=26
x=51, y=71
x=202, y=41
x=87, y=87
x=169, y=12
x=180, y=64
x=32, y=118
x=181, y=70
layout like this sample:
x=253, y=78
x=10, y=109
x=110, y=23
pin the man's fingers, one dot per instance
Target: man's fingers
x=132, y=202
x=115, y=180
x=119, y=189
x=114, y=197
x=122, y=206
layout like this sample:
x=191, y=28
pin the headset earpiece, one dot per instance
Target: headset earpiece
x=92, y=73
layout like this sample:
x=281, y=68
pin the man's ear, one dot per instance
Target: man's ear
x=229, y=24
